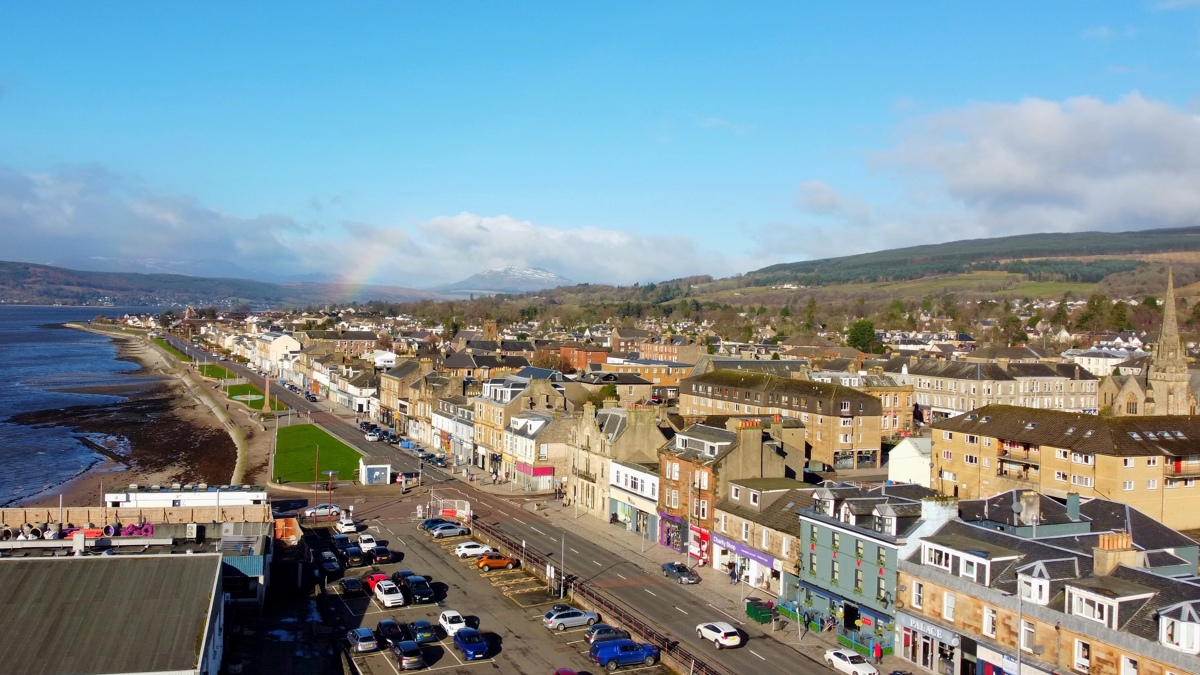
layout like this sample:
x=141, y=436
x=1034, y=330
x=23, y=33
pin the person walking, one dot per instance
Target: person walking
x=878, y=653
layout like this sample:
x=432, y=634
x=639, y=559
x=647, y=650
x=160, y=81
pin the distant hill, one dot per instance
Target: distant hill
x=505, y=280
x=27, y=283
x=1024, y=254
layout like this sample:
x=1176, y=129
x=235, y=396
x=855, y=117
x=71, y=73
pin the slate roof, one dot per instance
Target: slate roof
x=1148, y=534
x=998, y=509
x=1089, y=434
x=1168, y=592
x=810, y=393
x=612, y=422
x=609, y=377
x=1011, y=353
x=955, y=370
x=402, y=369
x=711, y=434
x=779, y=515
x=105, y=614
x=767, y=484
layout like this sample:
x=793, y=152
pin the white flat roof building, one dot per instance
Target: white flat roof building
x=185, y=496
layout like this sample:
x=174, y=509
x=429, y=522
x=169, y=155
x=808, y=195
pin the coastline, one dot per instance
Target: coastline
x=187, y=435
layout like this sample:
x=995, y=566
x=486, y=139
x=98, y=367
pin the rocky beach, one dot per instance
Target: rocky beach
x=172, y=427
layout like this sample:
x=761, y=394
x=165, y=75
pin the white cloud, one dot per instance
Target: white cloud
x=89, y=212
x=1099, y=33
x=818, y=197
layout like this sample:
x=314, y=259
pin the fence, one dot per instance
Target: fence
x=611, y=609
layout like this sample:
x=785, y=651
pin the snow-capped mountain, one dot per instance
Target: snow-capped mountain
x=506, y=280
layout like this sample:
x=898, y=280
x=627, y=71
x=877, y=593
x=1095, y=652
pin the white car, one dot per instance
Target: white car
x=472, y=549
x=389, y=594
x=366, y=541
x=849, y=662
x=451, y=622
x=346, y=526
x=721, y=633
x=372, y=436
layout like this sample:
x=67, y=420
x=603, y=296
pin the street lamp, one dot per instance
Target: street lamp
x=330, y=476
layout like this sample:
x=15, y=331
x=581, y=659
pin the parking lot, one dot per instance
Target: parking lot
x=505, y=605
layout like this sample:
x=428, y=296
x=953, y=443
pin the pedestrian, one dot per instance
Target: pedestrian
x=878, y=653
x=732, y=574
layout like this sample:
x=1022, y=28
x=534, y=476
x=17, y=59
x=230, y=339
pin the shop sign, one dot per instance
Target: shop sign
x=744, y=551
x=926, y=628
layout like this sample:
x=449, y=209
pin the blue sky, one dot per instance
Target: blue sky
x=417, y=143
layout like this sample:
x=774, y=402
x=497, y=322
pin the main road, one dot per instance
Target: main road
x=676, y=609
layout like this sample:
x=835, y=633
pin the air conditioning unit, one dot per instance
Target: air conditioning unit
x=191, y=531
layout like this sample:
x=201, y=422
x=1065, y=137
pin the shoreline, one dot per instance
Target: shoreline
x=195, y=416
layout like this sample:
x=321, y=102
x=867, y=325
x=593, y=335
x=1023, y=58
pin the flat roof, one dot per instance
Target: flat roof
x=105, y=614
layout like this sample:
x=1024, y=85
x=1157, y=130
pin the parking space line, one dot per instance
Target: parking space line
x=622, y=575
x=756, y=654
x=574, y=551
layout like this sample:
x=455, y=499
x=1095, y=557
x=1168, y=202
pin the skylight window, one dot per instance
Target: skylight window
x=1070, y=430
x=1149, y=435
x=1031, y=425
x=985, y=418
x=1088, y=433
x=1180, y=436
x=1135, y=435
x=971, y=418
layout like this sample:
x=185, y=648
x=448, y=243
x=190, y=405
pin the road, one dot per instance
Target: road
x=676, y=608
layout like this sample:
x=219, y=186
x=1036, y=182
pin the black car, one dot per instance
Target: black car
x=352, y=586
x=430, y=523
x=379, y=555
x=340, y=542
x=437, y=461
x=418, y=588
x=329, y=562
x=390, y=632
x=353, y=557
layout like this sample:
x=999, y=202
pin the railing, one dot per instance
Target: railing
x=1184, y=469
x=589, y=477
x=1020, y=455
x=611, y=608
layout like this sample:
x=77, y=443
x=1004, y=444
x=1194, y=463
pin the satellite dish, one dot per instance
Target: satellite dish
x=1017, y=507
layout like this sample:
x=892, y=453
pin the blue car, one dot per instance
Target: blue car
x=470, y=643
x=611, y=654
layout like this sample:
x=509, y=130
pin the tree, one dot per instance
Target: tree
x=809, y=319
x=775, y=356
x=861, y=335
x=785, y=312
x=1118, y=318
x=607, y=391
x=1060, y=316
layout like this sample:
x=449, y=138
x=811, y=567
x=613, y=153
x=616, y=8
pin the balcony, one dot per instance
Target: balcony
x=1017, y=472
x=1021, y=455
x=1184, y=470
x=584, y=475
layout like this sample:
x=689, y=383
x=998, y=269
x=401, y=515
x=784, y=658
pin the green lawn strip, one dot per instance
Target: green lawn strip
x=167, y=346
x=255, y=404
x=210, y=370
x=296, y=453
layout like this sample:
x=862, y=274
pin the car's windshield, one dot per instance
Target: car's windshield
x=454, y=619
x=472, y=639
x=418, y=583
x=390, y=590
x=857, y=659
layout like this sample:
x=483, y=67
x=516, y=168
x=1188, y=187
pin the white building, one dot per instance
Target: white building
x=910, y=461
x=178, y=495
x=633, y=496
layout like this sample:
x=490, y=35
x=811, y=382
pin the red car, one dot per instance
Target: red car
x=371, y=579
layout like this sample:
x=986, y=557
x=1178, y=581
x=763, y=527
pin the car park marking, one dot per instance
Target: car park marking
x=726, y=614
x=756, y=654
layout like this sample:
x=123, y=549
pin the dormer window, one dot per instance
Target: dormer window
x=1179, y=627
x=753, y=498
x=1091, y=606
x=1033, y=590
x=736, y=493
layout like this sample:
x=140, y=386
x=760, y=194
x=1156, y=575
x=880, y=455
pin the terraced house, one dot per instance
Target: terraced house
x=1149, y=463
x=842, y=424
x=986, y=602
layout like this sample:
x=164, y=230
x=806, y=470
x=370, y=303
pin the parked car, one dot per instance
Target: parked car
x=680, y=572
x=408, y=655
x=449, y=530
x=372, y=436
x=389, y=594
x=353, y=557
x=721, y=633
x=471, y=643
x=602, y=631
x=613, y=654
x=351, y=586
x=430, y=523
x=418, y=588
x=329, y=563
x=400, y=575
x=323, y=510
x=373, y=579
x=379, y=555
x=366, y=541
x=569, y=618
x=422, y=632
x=311, y=398
x=438, y=461
x=451, y=622
x=362, y=640
x=470, y=549
x=346, y=525
x=489, y=561
x=390, y=632
x=849, y=662
x=340, y=542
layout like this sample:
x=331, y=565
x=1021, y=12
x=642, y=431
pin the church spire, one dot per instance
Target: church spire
x=1168, y=378
x=1169, y=335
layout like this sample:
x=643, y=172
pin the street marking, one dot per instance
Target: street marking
x=681, y=610
x=575, y=642
x=621, y=575
x=574, y=551
x=597, y=564
x=756, y=654
x=726, y=613
x=654, y=594
x=537, y=530
x=504, y=512
x=394, y=669
x=518, y=520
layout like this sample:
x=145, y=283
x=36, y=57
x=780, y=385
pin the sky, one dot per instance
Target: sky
x=417, y=143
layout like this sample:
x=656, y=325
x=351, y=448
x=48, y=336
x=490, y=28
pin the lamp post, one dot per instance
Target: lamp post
x=330, y=476
x=562, y=583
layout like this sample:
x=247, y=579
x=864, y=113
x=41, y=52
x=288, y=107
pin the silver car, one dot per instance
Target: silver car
x=449, y=530
x=563, y=619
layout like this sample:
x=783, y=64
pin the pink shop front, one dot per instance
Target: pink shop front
x=535, y=478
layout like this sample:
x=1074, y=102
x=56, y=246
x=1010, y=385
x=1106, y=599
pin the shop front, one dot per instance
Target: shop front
x=534, y=478
x=751, y=565
x=670, y=532
x=989, y=661
x=636, y=513
x=699, y=541
x=929, y=646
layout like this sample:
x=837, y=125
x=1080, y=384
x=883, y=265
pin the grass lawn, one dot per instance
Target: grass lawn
x=210, y=370
x=178, y=354
x=296, y=452
x=256, y=404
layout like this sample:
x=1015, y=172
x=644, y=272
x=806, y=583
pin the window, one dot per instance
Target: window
x=1151, y=461
x=1060, y=454
x=1060, y=476
x=1083, y=481
x=723, y=522
x=918, y=594
x=1027, y=636
x=1127, y=463
x=989, y=621
x=1152, y=484
x=858, y=548
x=1083, y=656
x=674, y=499
x=812, y=564
x=947, y=435
x=948, y=600
x=834, y=572
x=947, y=455
x=785, y=546
x=987, y=462
x=881, y=555
x=1179, y=635
x=968, y=569
x=1079, y=458
x=754, y=498
x=858, y=579
x=703, y=509
x=1034, y=590
x=745, y=531
x=881, y=588
x=736, y=492
x=1131, y=407
x=836, y=540
x=938, y=558
x=1127, y=485
x=674, y=470
x=845, y=438
x=973, y=440
x=1090, y=608
x=847, y=421
x=1129, y=666
x=970, y=459
x=766, y=539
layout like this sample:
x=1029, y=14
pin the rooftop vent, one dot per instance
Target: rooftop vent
x=1031, y=425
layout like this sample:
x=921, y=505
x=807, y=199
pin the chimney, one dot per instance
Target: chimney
x=610, y=402
x=1115, y=548
x=1031, y=506
x=1073, y=506
x=589, y=411
x=938, y=510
